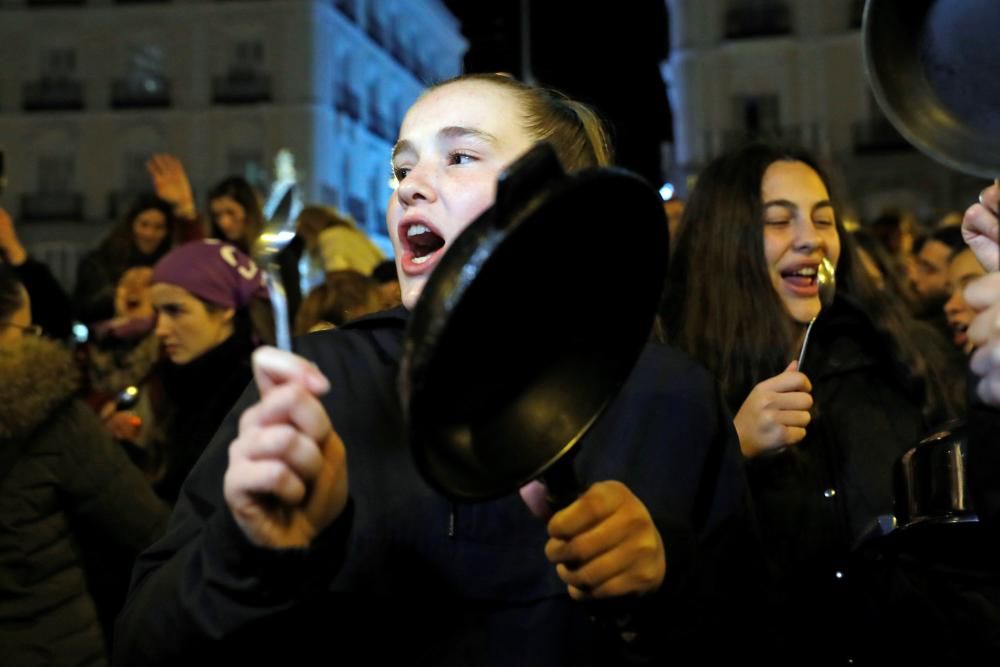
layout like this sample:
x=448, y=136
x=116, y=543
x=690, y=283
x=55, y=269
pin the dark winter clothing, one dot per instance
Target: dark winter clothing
x=404, y=576
x=61, y=477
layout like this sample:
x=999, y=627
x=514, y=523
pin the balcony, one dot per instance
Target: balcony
x=131, y=94
x=52, y=95
x=358, y=209
x=241, y=87
x=55, y=3
x=52, y=206
x=877, y=136
x=347, y=8
x=749, y=20
x=378, y=125
x=347, y=101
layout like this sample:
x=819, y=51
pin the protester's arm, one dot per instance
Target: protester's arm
x=241, y=551
x=50, y=305
x=775, y=414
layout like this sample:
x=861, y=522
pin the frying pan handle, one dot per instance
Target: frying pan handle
x=562, y=486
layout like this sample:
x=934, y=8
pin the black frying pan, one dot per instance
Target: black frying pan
x=529, y=325
x=932, y=65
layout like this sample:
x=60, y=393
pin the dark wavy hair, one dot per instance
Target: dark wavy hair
x=120, y=248
x=239, y=190
x=720, y=306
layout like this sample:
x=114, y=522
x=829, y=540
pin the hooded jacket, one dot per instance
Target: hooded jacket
x=61, y=476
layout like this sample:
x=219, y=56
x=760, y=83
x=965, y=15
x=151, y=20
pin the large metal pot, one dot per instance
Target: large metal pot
x=530, y=324
x=931, y=486
x=932, y=67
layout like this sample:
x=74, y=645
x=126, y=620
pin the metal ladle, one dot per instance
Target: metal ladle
x=827, y=282
x=277, y=234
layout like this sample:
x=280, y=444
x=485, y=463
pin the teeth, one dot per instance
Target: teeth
x=420, y=260
x=808, y=271
x=417, y=229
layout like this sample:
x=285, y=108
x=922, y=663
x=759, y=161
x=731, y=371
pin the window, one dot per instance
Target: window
x=59, y=65
x=757, y=18
x=55, y=174
x=145, y=83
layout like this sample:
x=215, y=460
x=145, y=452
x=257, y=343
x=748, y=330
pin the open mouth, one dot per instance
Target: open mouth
x=421, y=247
x=803, y=276
x=958, y=333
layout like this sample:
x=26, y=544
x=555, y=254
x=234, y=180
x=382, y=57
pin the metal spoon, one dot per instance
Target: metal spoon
x=277, y=233
x=827, y=283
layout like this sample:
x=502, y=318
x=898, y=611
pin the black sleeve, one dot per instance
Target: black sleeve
x=94, y=292
x=197, y=591
x=106, y=492
x=689, y=473
x=50, y=305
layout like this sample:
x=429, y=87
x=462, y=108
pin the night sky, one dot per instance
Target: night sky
x=608, y=57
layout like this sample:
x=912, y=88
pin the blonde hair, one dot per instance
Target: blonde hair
x=575, y=131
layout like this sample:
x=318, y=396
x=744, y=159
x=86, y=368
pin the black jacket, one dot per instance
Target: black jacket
x=61, y=477
x=406, y=577
x=818, y=500
x=198, y=395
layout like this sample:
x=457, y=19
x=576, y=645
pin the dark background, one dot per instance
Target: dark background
x=607, y=56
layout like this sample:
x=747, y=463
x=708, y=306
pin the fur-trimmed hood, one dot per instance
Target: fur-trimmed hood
x=36, y=376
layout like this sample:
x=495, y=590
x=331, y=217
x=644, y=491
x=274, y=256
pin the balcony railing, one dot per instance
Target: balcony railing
x=878, y=136
x=53, y=95
x=378, y=125
x=358, y=209
x=52, y=206
x=241, y=87
x=127, y=94
x=347, y=101
x=758, y=20
x=347, y=8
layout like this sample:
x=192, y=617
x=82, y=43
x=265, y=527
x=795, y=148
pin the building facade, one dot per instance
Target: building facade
x=89, y=89
x=794, y=70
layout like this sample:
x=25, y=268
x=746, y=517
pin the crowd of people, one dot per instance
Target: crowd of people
x=735, y=496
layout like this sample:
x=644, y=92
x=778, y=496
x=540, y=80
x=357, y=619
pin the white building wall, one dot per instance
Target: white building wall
x=816, y=73
x=313, y=53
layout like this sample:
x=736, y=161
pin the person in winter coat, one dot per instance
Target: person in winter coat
x=63, y=483
x=273, y=555
x=203, y=293
x=148, y=230
x=819, y=441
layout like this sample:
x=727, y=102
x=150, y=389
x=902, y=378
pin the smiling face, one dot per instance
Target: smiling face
x=149, y=228
x=962, y=269
x=799, y=231
x=453, y=144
